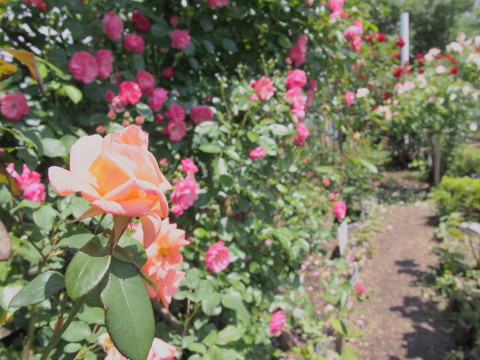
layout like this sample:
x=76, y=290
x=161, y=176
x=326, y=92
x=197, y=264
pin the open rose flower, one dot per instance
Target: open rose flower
x=105, y=63
x=340, y=210
x=263, y=88
x=296, y=78
x=180, y=39
x=140, y=22
x=118, y=175
x=83, y=67
x=112, y=25
x=157, y=99
x=14, y=106
x=175, y=112
x=176, y=130
x=130, y=92
x=277, y=322
x=349, y=98
x=145, y=80
x=184, y=195
x=201, y=113
x=134, y=43
x=257, y=153
x=29, y=183
x=217, y=258
x=168, y=72
x=189, y=166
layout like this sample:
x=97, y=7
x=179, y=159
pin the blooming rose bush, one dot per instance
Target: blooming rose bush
x=231, y=116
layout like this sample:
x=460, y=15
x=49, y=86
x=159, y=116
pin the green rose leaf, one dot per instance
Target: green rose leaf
x=128, y=311
x=210, y=148
x=39, y=289
x=87, y=268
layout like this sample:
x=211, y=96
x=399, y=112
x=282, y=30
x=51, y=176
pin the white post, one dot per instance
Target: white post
x=404, y=20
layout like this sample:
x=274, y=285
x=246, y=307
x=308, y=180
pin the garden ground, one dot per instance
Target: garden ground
x=400, y=317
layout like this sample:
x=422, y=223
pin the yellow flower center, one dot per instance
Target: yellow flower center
x=162, y=251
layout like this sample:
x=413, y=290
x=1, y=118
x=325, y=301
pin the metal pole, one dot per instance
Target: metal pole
x=405, y=23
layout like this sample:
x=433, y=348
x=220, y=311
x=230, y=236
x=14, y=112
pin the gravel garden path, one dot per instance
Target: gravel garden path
x=399, y=319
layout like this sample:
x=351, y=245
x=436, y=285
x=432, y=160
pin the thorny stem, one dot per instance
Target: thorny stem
x=56, y=337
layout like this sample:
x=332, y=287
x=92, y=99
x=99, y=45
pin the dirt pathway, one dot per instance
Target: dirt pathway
x=399, y=320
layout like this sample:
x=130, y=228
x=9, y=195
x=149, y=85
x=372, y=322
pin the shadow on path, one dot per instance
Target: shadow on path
x=427, y=320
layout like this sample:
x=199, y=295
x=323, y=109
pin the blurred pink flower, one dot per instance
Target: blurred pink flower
x=296, y=78
x=105, y=63
x=349, y=98
x=218, y=3
x=176, y=130
x=157, y=99
x=145, y=80
x=112, y=25
x=340, y=210
x=217, y=258
x=263, y=88
x=184, y=194
x=134, y=43
x=168, y=72
x=257, y=153
x=130, y=92
x=277, y=322
x=201, y=113
x=180, y=39
x=360, y=287
x=83, y=67
x=14, y=106
x=189, y=166
x=175, y=112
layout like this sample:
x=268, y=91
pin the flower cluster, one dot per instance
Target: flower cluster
x=29, y=183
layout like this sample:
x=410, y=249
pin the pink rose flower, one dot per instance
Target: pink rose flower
x=168, y=72
x=217, y=258
x=176, y=130
x=296, y=78
x=117, y=105
x=174, y=20
x=105, y=63
x=130, y=92
x=353, y=30
x=145, y=80
x=184, y=195
x=133, y=43
x=29, y=182
x=159, y=117
x=218, y=3
x=360, y=288
x=83, y=66
x=331, y=196
x=340, y=210
x=357, y=43
x=140, y=22
x=201, y=113
x=326, y=182
x=349, y=98
x=297, y=102
x=180, y=39
x=301, y=135
x=257, y=153
x=14, y=106
x=157, y=99
x=337, y=8
x=175, y=112
x=109, y=95
x=112, y=25
x=277, y=322
x=35, y=192
x=263, y=88
x=189, y=166
x=298, y=52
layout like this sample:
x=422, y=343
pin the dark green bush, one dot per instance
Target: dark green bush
x=465, y=161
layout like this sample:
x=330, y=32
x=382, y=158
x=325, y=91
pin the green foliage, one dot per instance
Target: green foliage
x=465, y=162
x=458, y=194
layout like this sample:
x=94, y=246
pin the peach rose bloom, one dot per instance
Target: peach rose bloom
x=118, y=175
